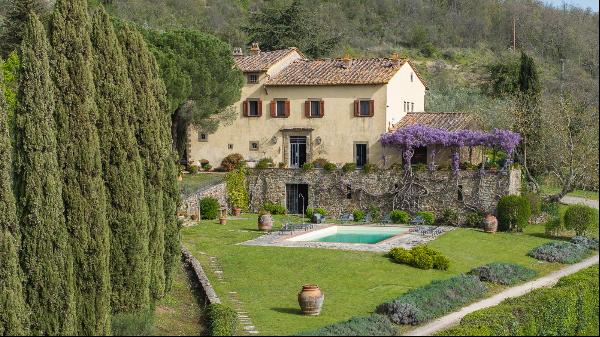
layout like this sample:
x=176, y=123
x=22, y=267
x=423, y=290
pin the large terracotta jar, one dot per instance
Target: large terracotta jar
x=311, y=299
x=490, y=224
x=237, y=211
x=265, y=222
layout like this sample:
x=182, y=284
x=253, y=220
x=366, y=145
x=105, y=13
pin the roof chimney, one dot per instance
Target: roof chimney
x=255, y=49
x=237, y=51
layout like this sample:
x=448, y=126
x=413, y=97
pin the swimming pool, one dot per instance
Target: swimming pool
x=352, y=234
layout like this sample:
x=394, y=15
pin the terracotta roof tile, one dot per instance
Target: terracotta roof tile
x=337, y=71
x=263, y=60
x=451, y=121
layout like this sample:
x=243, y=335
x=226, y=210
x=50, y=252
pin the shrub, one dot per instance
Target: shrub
x=449, y=218
x=209, y=208
x=401, y=217
x=133, y=324
x=349, y=167
x=222, y=320
x=421, y=257
x=265, y=163
x=192, y=169
x=474, y=220
x=503, y=273
x=554, y=225
x=368, y=168
x=358, y=215
x=374, y=212
x=429, y=217
x=207, y=167
x=581, y=219
x=309, y=212
x=308, y=166
x=321, y=211
x=374, y=325
x=274, y=208
x=329, y=167
x=320, y=162
x=513, y=213
x=433, y=300
x=232, y=161
x=559, y=251
x=203, y=163
x=568, y=309
x=237, y=192
x=587, y=242
x=535, y=203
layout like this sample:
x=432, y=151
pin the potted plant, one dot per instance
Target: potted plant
x=490, y=224
x=265, y=221
x=223, y=220
x=236, y=211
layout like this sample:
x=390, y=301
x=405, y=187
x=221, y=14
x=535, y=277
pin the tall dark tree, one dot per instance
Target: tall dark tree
x=122, y=166
x=13, y=315
x=148, y=110
x=45, y=248
x=80, y=163
x=15, y=21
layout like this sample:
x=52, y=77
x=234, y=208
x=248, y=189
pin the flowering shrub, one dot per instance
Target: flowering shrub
x=503, y=273
x=559, y=251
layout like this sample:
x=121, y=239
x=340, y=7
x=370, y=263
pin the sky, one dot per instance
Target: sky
x=593, y=4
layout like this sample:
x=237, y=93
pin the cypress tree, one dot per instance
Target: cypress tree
x=147, y=111
x=15, y=21
x=45, y=250
x=12, y=304
x=123, y=175
x=80, y=163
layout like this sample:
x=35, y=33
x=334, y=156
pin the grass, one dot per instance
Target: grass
x=194, y=182
x=178, y=313
x=547, y=190
x=268, y=278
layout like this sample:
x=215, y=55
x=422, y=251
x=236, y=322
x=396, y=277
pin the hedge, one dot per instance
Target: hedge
x=568, y=309
x=209, y=208
x=274, y=208
x=587, y=242
x=374, y=325
x=513, y=213
x=581, y=219
x=559, y=251
x=400, y=217
x=433, y=300
x=421, y=257
x=429, y=217
x=221, y=320
x=503, y=273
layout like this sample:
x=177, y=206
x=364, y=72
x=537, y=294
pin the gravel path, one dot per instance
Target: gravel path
x=455, y=317
x=577, y=200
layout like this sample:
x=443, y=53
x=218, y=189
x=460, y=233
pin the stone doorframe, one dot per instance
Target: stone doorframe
x=287, y=133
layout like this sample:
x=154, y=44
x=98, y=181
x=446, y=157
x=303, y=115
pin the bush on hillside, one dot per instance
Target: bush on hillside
x=232, y=161
x=400, y=217
x=274, y=208
x=503, y=273
x=222, y=320
x=587, y=242
x=209, y=208
x=559, y=251
x=429, y=217
x=581, y=219
x=374, y=325
x=433, y=300
x=421, y=257
x=513, y=213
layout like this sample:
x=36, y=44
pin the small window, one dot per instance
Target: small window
x=252, y=78
x=348, y=192
x=412, y=77
x=364, y=108
x=315, y=108
x=360, y=152
x=253, y=146
x=202, y=137
x=404, y=106
x=460, y=193
x=230, y=146
x=412, y=107
x=280, y=109
x=253, y=108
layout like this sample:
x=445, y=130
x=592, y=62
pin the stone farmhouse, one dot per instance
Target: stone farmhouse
x=295, y=110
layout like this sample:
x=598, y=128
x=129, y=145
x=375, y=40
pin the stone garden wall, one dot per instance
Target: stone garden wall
x=189, y=203
x=340, y=192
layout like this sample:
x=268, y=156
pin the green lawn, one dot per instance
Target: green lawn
x=547, y=190
x=178, y=313
x=268, y=278
x=194, y=182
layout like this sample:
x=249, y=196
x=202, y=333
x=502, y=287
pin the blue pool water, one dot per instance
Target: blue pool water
x=357, y=237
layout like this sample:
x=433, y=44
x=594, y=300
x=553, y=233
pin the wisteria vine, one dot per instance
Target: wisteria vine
x=418, y=135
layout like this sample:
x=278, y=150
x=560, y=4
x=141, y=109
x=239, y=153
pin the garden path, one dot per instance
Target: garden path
x=454, y=318
x=578, y=200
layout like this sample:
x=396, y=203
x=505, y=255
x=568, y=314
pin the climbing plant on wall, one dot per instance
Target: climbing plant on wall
x=237, y=191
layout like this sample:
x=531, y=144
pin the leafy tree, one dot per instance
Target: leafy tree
x=200, y=77
x=45, y=248
x=149, y=110
x=14, y=23
x=13, y=312
x=127, y=212
x=279, y=25
x=80, y=163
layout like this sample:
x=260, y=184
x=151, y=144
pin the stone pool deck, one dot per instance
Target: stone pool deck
x=406, y=240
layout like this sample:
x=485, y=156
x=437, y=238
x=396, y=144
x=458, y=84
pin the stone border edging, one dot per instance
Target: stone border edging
x=210, y=295
x=454, y=318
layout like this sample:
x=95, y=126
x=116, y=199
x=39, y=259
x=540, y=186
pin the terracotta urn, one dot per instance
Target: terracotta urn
x=311, y=299
x=490, y=224
x=265, y=222
x=222, y=220
x=237, y=211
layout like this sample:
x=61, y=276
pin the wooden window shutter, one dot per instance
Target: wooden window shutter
x=307, y=109
x=287, y=108
x=273, y=108
x=322, y=109
x=356, y=108
x=259, y=105
x=245, y=108
x=371, y=108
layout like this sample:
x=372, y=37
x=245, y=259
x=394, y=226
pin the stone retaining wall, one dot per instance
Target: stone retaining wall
x=209, y=293
x=189, y=204
x=340, y=192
